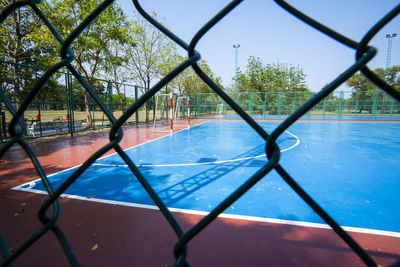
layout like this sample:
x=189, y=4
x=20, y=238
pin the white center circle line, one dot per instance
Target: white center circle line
x=201, y=163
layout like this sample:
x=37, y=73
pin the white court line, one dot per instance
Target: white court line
x=297, y=142
x=201, y=163
x=185, y=129
x=33, y=182
x=224, y=215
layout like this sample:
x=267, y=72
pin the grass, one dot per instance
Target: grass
x=99, y=116
x=54, y=115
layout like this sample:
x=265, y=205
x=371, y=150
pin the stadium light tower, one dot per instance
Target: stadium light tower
x=236, y=64
x=389, y=49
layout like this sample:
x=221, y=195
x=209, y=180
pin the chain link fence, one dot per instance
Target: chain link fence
x=68, y=112
x=300, y=107
x=60, y=108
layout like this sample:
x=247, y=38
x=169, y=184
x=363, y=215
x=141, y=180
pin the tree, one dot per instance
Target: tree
x=18, y=48
x=271, y=77
x=116, y=70
x=364, y=89
x=147, y=50
x=193, y=83
x=270, y=80
x=188, y=82
x=94, y=47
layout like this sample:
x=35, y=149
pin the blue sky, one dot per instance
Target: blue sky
x=265, y=30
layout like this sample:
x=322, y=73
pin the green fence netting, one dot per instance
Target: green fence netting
x=290, y=107
x=61, y=102
x=276, y=105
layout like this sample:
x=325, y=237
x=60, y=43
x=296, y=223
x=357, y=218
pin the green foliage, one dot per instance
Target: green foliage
x=112, y=47
x=99, y=86
x=267, y=80
x=260, y=77
x=191, y=82
x=147, y=51
x=94, y=48
x=18, y=47
x=188, y=82
x=364, y=89
x=120, y=101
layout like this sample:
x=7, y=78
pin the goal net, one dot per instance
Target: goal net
x=171, y=112
x=220, y=111
x=182, y=113
x=163, y=119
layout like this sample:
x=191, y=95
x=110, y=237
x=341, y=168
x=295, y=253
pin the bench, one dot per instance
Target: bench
x=48, y=126
x=30, y=128
x=58, y=125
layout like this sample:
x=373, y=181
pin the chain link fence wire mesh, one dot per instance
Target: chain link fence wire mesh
x=17, y=126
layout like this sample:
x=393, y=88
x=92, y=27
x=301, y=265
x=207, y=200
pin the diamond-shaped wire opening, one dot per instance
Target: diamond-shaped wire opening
x=364, y=55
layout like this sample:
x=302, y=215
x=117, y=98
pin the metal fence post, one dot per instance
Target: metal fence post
x=124, y=101
x=294, y=102
x=357, y=103
x=40, y=120
x=251, y=103
x=71, y=124
x=279, y=104
x=264, y=107
x=374, y=102
x=391, y=108
x=340, y=111
x=309, y=111
x=71, y=93
x=154, y=106
x=110, y=98
x=137, y=112
x=198, y=105
x=3, y=131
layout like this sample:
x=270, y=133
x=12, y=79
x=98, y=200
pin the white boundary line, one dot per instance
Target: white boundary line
x=201, y=163
x=31, y=184
x=297, y=143
x=223, y=215
x=188, y=129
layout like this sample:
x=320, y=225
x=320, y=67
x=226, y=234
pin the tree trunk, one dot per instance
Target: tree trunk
x=17, y=84
x=16, y=59
x=146, y=110
x=87, y=108
x=121, y=97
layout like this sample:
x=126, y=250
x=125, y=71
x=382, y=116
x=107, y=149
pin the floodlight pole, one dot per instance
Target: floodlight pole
x=387, y=74
x=236, y=65
x=389, y=50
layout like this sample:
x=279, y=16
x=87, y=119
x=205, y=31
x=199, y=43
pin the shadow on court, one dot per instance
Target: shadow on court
x=186, y=187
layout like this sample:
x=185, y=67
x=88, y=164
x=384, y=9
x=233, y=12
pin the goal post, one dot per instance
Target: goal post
x=163, y=119
x=172, y=111
x=220, y=111
x=182, y=112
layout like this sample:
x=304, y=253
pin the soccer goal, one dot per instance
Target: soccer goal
x=172, y=112
x=163, y=119
x=220, y=111
x=182, y=112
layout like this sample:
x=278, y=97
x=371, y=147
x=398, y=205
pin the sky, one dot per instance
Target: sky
x=265, y=30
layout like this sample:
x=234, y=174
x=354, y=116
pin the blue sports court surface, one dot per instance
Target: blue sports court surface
x=350, y=168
